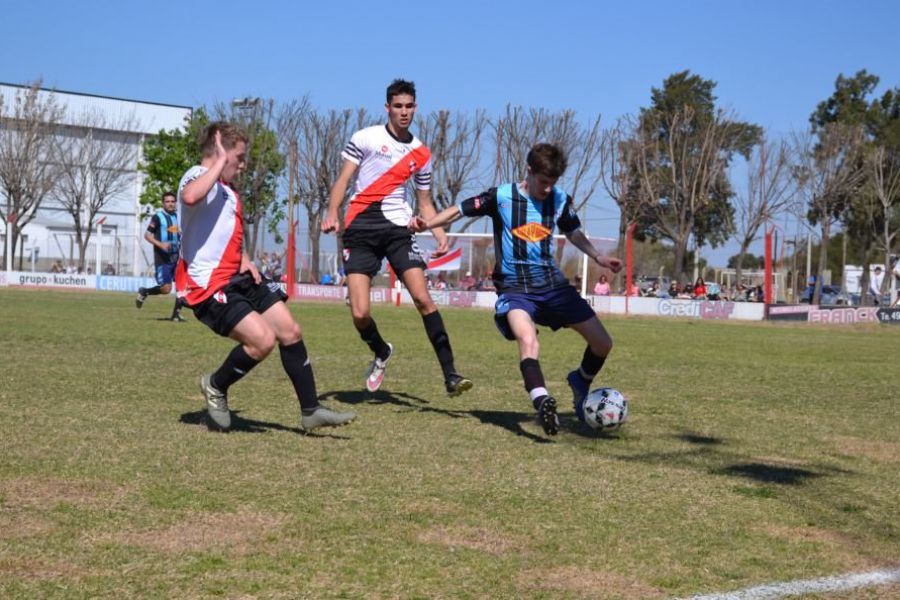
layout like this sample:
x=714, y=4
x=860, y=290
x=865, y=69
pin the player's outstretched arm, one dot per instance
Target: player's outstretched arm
x=196, y=190
x=338, y=193
x=426, y=207
x=582, y=242
x=445, y=217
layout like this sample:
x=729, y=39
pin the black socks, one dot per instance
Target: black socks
x=299, y=370
x=374, y=340
x=534, y=379
x=236, y=365
x=440, y=341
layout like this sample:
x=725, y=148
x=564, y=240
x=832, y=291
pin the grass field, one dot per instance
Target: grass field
x=754, y=453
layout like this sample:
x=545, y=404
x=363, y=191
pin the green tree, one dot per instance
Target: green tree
x=167, y=155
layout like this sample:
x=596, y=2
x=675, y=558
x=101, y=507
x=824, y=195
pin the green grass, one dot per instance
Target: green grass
x=754, y=453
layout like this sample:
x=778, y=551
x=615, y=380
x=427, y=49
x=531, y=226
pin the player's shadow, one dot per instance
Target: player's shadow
x=701, y=440
x=379, y=397
x=243, y=425
x=510, y=421
x=765, y=473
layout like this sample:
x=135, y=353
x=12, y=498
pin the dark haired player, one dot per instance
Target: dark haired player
x=384, y=158
x=165, y=236
x=531, y=289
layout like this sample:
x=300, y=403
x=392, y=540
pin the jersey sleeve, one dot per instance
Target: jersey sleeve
x=194, y=173
x=483, y=204
x=422, y=177
x=568, y=221
x=153, y=225
x=354, y=151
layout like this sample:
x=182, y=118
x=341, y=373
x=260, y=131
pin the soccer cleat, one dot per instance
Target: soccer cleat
x=546, y=412
x=376, y=370
x=579, y=392
x=142, y=295
x=216, y=404
x=322, y=416
x=177, y=318
x=456, y=384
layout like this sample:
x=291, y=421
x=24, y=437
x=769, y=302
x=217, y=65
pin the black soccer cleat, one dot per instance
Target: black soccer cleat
x=456, y=384
x=141, y=296
x=546, y=412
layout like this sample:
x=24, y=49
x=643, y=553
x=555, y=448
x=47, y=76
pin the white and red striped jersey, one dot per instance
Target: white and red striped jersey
x=212, y=235
x=385, y=165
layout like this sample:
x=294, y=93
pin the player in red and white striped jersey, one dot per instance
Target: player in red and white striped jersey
x=225, y=290
x=384, y=158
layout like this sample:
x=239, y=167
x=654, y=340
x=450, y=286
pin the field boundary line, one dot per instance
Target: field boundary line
x=837, y=583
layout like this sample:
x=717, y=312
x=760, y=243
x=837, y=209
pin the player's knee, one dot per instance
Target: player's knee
x=424, y=304
x=602, y=346
x=361, y=317
x=165, y=288
x=290, y=335
x=529, y=345
x=264, y=343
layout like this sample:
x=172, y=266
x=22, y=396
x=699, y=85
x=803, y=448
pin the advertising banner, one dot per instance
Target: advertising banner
x=51, y=280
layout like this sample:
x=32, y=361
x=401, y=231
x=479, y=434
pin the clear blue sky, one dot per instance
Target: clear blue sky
x=773, y=61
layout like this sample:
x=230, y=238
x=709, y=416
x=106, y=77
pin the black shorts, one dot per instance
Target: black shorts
x=222, y=311
x=364, y=249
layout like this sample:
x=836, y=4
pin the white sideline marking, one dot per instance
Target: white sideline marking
x=837, y=583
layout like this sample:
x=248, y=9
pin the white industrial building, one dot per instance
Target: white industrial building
x=50, y=234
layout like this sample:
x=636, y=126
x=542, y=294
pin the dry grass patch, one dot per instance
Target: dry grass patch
x=40, y=569
x=47, y=493
x=15, y=524
x=237, y=532
x=880, y=451
x=587, y=583
x=471, y=538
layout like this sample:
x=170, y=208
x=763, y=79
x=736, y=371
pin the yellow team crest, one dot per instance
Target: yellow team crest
x=531, y=232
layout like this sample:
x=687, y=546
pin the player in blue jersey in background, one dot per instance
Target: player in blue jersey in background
x=530, y=286
x=165, y=235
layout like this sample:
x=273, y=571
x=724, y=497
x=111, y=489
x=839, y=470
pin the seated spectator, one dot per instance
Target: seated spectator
x=57, y=267
x=714, y=292
x=468, y=282
x=109, y=269
x=686, y=292
x=699, y=292
x=441, y=283
x=674, y=289
x=326, y=279
x=656, y=291
x=602, y=287
x=635, y=289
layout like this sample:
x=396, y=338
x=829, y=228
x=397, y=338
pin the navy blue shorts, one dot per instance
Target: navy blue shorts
x=559, y=307
x=165, y=273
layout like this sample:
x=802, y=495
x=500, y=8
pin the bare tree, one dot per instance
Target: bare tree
x=770, y=190
x=827, y=173
x=885, y=178
x=518, y=129
x=455, y=144
x=619, y=148
x=257, y=185
x=678, y=172
x=319, y=138
x=27, y=172
x=97, y=162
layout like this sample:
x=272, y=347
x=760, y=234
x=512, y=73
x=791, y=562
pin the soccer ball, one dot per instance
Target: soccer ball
x=605, y=409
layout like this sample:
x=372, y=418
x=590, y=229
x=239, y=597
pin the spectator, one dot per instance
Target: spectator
x=896, y=273
x=326, y=279
x=699, y=289
x=875, y=280
x=441, y=283
x=57, y=267
x=635, y=289
x=656, y=291
x=468, y=282
x=685, y=292
x=602, y=287
x=674, y=288
x=109, y=269
x=714, y=292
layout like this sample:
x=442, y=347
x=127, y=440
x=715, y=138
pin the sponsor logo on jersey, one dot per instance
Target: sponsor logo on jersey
x=172, y=229
x=384, y=152
x=531, y=232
